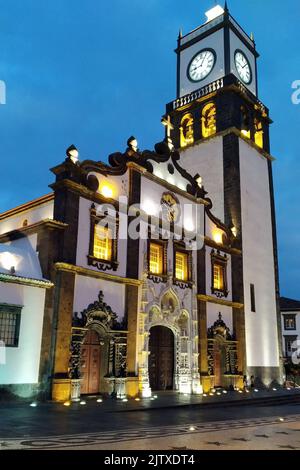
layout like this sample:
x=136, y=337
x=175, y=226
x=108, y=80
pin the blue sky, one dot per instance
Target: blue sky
x=93, y=73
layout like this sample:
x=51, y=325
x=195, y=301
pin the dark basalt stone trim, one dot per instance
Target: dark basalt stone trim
x=66, y=210
x=102, y=265
x=227, y=49
x=276, y=268
x=133, y=246
x=119, y=163
x=221, y=260
x=179, y=246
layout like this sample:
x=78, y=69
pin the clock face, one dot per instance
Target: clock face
x=243, y=67
x=201, y=65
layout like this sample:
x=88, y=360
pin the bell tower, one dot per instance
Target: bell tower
x=221, y=130
x=217, y=48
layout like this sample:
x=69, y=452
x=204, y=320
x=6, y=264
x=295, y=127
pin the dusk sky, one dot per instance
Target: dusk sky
x=92, y=73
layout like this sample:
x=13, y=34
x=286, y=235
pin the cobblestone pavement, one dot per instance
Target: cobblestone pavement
x=270, y=433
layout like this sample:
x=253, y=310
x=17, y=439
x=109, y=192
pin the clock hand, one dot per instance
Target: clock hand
x=203, y=59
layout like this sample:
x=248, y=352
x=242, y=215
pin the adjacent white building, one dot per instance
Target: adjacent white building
x=290, y=318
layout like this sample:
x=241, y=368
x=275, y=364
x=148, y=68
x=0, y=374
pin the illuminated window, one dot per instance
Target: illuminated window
x=181, y=266
x=219, y=274
x=187, y=131
x=259, y=133
x=218, y=277
x=156, y=258
x=245, y=123
x=102, y=243
x=209, y=126
x=10, y=318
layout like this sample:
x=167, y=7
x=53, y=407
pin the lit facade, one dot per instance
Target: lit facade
x=126, y=314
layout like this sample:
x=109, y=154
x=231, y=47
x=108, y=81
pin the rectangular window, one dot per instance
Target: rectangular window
x=181, y=266
x=102, y=243
x=289, y=345
x=289, y=322
x=10, y=318
x=252, y=297
x=156, y=258
x=218, y=273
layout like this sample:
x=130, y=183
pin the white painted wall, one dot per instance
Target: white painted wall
x=118, y=184
x=261, y=326
x=206, y=158
x=42, y=212
x=216, y=42
x=22, y=363
x=87, y=290
x=236, y=43
x=22, y=255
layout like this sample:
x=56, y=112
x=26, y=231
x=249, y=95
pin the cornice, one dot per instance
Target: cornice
x=166, y=185
x=95, y=274
x=214, y=300
x=27, y=206
x=222, y=247
x=25, y=281
x=21, y=232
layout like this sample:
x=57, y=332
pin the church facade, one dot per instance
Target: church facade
x=158, y=270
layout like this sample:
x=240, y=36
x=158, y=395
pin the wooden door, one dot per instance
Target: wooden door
x=90, y=364
x=218, y=367
x=161, y=358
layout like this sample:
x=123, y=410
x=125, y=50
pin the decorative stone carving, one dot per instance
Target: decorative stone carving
x=99, y=316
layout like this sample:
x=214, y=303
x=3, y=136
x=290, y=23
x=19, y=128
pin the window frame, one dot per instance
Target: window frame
x=289, y=339
x=164, y=246
x=222, y=261
x=179, y=247
x=103, y=264
x=13, y=310
x=290, y=317
x=206, y=109
x=252, y=298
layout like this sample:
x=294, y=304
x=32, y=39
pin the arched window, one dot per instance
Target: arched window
x=245, y=123
x=208, y=119
x=187, y=130
x=259, y=133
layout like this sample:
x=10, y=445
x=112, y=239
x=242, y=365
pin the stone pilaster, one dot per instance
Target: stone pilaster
x=61, y=384
x=132, y=306
x=203, y=365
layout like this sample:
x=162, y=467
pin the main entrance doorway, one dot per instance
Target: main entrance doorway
x=161, y=358
x=219, y=362
x=90, y=363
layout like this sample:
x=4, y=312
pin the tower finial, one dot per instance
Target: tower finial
x=180, y=34
x=226, y=7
